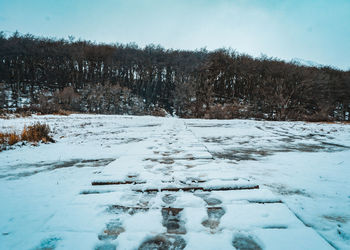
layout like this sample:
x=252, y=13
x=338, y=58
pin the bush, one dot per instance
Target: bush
x=37, y=132
x=63, y=112
x=226, y=111
x=9, y=138
x=158, y=112
x=34, y=133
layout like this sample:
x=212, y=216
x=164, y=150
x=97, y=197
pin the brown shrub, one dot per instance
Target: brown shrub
x=8, y=139
x=34, y=133
x=63, y=112
x=37, y=132
x=13, y=139
x=158, y=112
x=226, y=111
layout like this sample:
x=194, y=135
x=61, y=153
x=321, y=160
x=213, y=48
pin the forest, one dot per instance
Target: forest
x=47, y=75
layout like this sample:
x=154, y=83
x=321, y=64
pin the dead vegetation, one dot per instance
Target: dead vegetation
x=9, y=138
x=34, y=133
x=63, y=112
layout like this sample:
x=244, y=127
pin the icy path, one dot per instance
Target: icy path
x=167, y=183
x=174, y=195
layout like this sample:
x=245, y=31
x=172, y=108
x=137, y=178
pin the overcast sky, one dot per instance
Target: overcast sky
x=316, y=30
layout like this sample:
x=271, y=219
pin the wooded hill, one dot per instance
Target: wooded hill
x=43, y=74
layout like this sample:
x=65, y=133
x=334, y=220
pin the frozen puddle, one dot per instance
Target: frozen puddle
x=24, y=170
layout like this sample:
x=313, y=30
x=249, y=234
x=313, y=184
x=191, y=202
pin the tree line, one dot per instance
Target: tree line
x=46, y=74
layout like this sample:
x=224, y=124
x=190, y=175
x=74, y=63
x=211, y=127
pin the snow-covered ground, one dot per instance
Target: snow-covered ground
x=131, y=182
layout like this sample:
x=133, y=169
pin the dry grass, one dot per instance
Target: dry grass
x=158, y=112
x=63, y=112
x=9, y=138
x=37, y=132
x=34, y=133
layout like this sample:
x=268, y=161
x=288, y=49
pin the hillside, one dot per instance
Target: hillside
x=47, y=75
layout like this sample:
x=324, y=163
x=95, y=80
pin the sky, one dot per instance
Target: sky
x=313, y=30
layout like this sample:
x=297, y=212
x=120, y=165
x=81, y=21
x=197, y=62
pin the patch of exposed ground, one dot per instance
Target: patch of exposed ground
x=256, y=153
x=245, y=242
x=172, y=220
x=164, y=242
x=112, y=230
x=48, y=244
x=118, y=209
x=243, y=154
x=274, y=140
x=169, y=198
x=337, y=218
x=287, y=191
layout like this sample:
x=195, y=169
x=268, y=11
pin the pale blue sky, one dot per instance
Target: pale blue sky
x=316, y=30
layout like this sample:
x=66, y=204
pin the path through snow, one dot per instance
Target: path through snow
x=174, y=184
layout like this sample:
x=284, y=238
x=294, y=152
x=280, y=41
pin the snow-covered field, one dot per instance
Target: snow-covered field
x=130, y=182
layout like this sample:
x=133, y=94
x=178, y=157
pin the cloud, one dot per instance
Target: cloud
x=312, y=30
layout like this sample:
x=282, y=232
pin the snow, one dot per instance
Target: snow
x=301, y=170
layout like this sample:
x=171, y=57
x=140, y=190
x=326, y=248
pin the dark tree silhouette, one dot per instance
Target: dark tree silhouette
x=52, y=74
